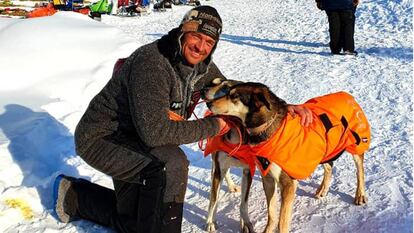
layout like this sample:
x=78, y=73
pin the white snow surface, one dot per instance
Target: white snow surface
x=51, y=67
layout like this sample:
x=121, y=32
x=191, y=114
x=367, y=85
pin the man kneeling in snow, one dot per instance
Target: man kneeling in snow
x=127, y=134
x=132, y=129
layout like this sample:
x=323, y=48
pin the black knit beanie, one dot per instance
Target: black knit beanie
x=204, y=19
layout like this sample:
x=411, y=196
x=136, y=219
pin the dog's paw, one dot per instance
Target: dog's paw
x=321, y=192
x=234, y=189
x=271, y=230
x=247, y=228
x=211, y=227
x=360, y=200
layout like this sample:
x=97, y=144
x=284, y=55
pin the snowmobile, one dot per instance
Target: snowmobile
x=98, y=8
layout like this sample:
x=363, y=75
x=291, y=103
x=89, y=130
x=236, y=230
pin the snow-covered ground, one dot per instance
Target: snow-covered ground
x=51, y=67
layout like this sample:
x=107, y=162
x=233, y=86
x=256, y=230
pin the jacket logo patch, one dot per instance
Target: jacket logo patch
x=176, y=105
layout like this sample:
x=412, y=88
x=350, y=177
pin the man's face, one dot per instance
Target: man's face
x=197, y=47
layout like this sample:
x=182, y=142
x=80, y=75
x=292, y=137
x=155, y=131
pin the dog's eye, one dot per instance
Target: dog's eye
x=234, y=96
x=226, y=89
x=222, y=92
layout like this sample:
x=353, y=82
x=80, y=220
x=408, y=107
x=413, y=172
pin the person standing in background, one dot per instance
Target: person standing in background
x=341, y=18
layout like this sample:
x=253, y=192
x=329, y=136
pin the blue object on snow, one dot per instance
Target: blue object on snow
x=145, y=2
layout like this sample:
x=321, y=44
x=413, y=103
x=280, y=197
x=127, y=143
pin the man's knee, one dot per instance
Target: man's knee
x=176, y=169
x=173, y=158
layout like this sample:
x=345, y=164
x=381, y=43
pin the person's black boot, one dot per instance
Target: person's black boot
x=65, y=198
x=352, y=53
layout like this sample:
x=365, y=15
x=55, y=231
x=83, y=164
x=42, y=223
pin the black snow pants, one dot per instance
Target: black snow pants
x=155, y=205
x=341, y=30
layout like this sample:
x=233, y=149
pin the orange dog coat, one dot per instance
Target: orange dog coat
x=339, y=125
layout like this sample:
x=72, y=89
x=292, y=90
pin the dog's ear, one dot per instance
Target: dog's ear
x=217, y=81
x=260, y=100
x=260, y=97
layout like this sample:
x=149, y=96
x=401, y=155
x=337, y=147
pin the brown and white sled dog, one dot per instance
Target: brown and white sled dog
x=265, y=118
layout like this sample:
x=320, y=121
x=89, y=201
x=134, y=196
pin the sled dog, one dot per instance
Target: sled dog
x=284, y=151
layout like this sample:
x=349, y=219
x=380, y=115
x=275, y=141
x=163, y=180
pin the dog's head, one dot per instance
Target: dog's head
x=217, y=89
x=254, y=103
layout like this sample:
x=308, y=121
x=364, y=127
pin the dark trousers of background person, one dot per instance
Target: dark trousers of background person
x=153, y=206
x=341, y=30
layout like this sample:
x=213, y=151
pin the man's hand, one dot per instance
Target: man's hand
x=304, y=113
x=224, y=125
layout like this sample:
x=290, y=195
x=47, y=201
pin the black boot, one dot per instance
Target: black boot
x=79, y=198
x=65, y=198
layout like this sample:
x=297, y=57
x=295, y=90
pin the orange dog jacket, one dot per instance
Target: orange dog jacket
x=339, y=125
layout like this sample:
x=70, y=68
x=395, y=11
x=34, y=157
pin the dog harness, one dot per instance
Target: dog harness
x=298, y=150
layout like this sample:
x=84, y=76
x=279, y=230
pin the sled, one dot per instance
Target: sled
x=54, y=6
x=12, y=13
x=42, y=11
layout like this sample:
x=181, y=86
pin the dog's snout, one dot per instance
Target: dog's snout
x=203, y=93
x=209, y=104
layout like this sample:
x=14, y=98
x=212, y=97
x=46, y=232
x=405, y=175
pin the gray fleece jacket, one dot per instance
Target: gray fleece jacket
x=128, y=117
